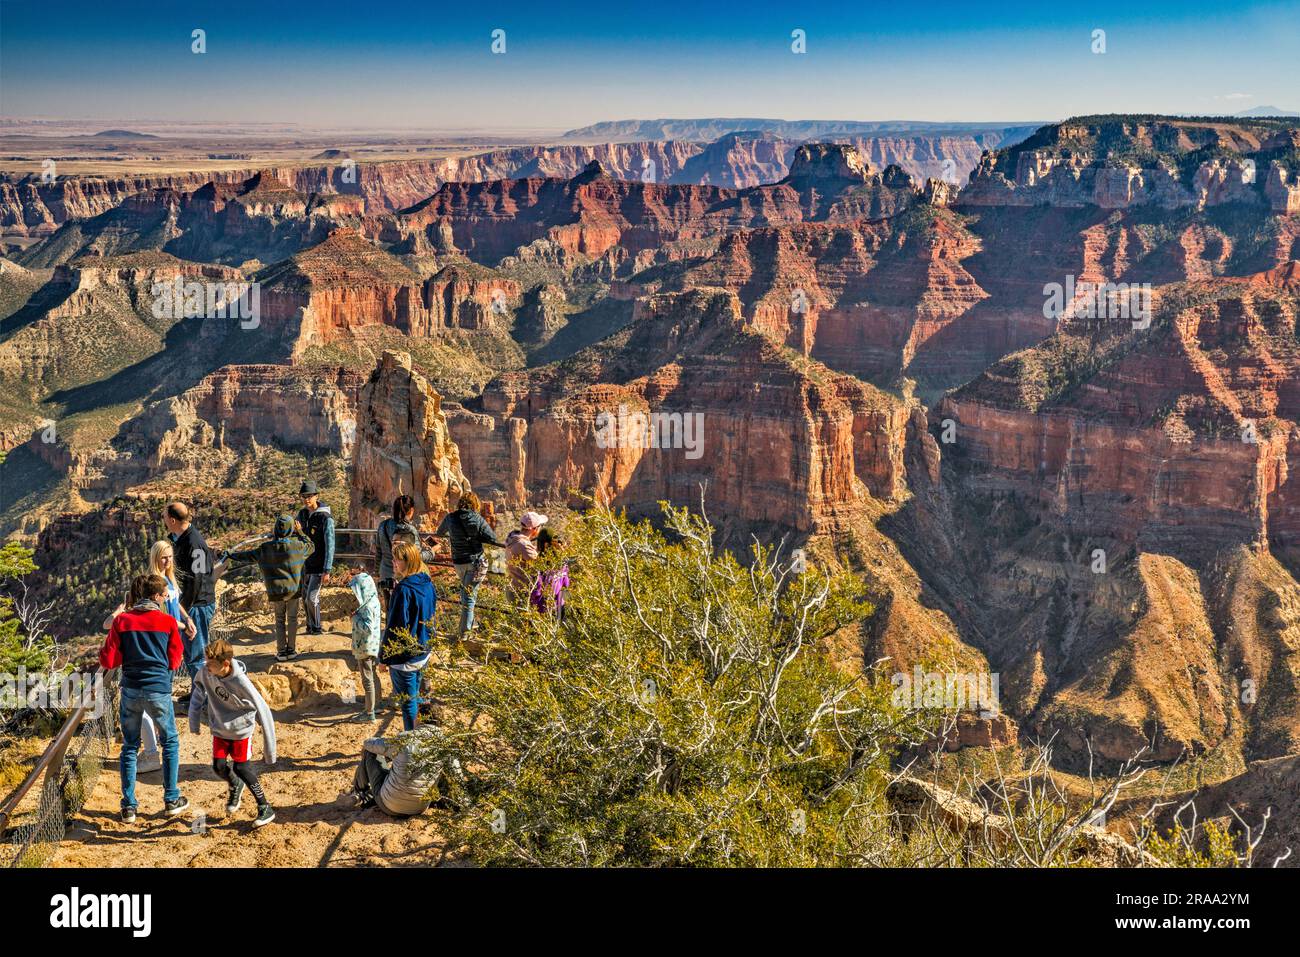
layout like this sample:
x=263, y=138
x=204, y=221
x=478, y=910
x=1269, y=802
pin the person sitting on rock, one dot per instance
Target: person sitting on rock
x=281, y=559
x=229, y=703
x=387, y=777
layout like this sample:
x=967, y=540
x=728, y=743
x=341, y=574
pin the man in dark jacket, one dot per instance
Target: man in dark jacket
x=281, y=560
x=317, y=523
x=145, y=643
x=198, y=584
x=468, y=532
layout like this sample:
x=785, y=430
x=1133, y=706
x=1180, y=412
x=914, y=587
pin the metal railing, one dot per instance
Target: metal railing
x=68, y=769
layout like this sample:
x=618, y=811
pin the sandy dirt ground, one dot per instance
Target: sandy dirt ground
x=316, y=823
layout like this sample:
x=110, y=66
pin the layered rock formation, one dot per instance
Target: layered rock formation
x=771, y=437
x=1181, y=432
x=466, y=296
x=593, y=212
x=92, y=319
x=1116, y=162
x=867, y=297
x=332, y=291
x=1132, y=570
x=197, y=436
x=1100, y=511
x=403, y=445
x=261, y=218
x=30, y=207
x=325, y=293
x=737, y=160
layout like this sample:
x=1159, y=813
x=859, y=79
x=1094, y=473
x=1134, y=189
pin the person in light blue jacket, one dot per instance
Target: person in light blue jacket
x=367, y=631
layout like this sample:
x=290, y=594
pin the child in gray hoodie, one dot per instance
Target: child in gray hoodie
x=232, y=707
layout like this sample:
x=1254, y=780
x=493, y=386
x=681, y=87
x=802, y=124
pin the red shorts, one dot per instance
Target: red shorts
x=237, y=751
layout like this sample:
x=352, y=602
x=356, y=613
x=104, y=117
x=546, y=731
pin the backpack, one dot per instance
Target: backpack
x=477, y=572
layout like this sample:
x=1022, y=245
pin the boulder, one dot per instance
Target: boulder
x=312, y=679
x=275, y=688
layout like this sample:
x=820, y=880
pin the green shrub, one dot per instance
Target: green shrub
x=682, y=715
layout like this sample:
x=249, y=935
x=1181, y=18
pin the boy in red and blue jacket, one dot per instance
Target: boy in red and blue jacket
x=145, y=643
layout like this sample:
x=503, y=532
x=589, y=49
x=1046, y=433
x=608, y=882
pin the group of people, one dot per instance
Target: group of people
x=164, y=626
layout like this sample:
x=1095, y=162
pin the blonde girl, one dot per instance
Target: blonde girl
x=162, y=561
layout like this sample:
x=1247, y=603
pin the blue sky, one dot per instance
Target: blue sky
x=429, y=65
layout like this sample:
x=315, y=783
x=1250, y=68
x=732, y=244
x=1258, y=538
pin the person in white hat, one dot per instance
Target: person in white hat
x=521, y=549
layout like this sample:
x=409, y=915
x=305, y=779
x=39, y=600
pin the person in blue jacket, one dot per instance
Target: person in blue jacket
x=405, y=647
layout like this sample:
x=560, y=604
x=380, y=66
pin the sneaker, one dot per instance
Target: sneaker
x=148, y=761
x=179, y=806
x=236, y=797
x=290, y=655
x=265, y=815
x=128, y=815
x=365, y=717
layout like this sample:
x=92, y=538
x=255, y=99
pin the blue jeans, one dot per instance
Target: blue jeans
x=406, y=684
x=201, y=615
x=135, y=704
x=468, y=596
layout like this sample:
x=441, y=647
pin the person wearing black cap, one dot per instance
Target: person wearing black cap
x=317, y=524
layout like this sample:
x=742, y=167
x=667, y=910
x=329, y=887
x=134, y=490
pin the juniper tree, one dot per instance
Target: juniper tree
x=683, y=714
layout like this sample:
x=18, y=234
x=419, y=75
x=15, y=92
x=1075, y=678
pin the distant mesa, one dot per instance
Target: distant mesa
x=329, y=154
x=709, y=129
x=1267, y=111
x=125, y=135
x=829, y=161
